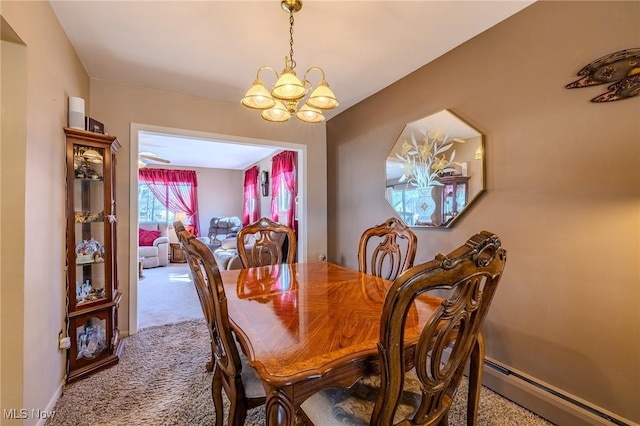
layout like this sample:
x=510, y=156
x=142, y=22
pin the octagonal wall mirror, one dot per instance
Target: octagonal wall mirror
x=435, y=170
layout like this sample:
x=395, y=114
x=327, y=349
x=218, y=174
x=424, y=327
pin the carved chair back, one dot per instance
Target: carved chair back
x=178, y=226
x=227, y=362
x=394, y=253
x=467, y=278
x=269, y=238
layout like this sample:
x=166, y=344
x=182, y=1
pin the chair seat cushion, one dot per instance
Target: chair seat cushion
x=250, y=379
x=147, y=251
x=354, y=406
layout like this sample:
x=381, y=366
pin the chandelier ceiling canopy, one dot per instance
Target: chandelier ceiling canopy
x=288, y=91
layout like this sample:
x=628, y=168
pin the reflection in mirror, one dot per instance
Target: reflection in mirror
x=435, y=170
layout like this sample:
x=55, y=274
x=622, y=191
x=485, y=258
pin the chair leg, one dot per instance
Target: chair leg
x=216, y=393
x=476, y=366
x=238, y=405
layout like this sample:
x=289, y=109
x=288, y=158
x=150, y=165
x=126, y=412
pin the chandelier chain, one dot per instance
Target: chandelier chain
x=293, y=63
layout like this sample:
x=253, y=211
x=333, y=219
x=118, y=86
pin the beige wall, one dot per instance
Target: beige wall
x=563, y=191
x=219, y=194
x=117, y=106
x=54, y=73
x=265, y=202
x=13, y=57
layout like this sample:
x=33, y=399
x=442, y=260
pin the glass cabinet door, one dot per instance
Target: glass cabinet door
x=454, y=196
x=89, y=229
x=91, y=335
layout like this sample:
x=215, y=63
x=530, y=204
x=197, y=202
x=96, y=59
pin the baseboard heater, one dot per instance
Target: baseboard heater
x=554, y=405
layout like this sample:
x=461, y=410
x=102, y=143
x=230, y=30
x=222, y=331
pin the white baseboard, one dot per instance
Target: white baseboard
x=553, y=404
x=52, y=402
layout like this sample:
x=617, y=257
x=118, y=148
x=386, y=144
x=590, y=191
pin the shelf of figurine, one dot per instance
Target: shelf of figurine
x=85, y=293
x=88, y=216
x=87, y=162
x=89, y=251
x=91, y=338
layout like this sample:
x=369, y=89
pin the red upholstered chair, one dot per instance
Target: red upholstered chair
x=153, y=244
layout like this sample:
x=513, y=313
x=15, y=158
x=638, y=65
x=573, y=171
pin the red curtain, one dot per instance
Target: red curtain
x=283, y=165
x=176, y=190
x=251, y=205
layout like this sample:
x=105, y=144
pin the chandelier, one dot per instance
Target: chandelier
x=288, y=91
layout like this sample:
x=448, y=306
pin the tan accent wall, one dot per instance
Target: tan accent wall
x=117, y=106
x=563, y=190
x=53, y=73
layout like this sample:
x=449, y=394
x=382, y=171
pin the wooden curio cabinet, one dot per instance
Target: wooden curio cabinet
x=455, y=193
x=92, y=274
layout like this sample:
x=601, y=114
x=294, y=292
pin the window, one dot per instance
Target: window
x=283, y=188
x=284, y=196
x=251, y=207
x=163, y=193
x=150, y=209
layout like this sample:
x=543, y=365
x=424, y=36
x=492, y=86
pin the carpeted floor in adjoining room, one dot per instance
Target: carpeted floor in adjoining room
x=161, y=380
x=167, y=295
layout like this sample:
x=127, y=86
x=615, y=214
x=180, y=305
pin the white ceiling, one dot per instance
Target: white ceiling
x=199, y=152
x=213, y=48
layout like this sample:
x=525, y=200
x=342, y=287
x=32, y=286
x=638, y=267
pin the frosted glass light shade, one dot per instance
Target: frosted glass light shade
x=257, y=97
x=277, y=113
x=322, y=97
x=288, y=87
x=310, y=114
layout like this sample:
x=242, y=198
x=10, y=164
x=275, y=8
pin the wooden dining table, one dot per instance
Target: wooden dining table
x=309, y=326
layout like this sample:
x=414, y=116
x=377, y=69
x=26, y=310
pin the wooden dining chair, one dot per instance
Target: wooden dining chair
x=263, y=243
x=468, y=277
x=394, y=253
x=231, y=370
x=178, y=226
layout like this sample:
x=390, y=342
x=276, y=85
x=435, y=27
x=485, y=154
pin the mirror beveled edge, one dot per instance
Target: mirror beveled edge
x=436, y=170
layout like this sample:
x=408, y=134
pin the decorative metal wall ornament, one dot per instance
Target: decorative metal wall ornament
x=622, y=68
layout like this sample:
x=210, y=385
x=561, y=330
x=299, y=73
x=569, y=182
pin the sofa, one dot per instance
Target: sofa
x=227, y=257
x=153, y=244
x=221, y=229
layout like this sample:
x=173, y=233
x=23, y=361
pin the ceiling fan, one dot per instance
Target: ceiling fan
x=145, y=158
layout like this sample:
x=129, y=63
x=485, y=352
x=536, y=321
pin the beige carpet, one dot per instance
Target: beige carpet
x=166, y=295
x=161, y=380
